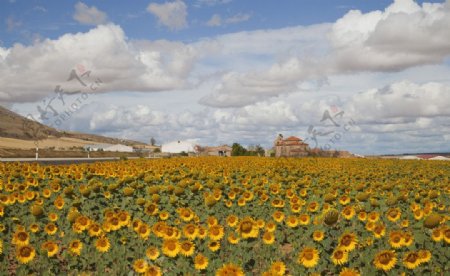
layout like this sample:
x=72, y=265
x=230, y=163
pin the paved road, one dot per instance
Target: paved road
x=68, y=160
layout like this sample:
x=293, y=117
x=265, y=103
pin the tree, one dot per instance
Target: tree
x=259, y=150
x=238, y=150
x=152, y=141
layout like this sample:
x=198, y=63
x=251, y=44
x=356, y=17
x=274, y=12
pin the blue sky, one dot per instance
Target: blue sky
x=220, y=71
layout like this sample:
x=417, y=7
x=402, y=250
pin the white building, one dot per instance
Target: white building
x=108, y=147
x=178, y=147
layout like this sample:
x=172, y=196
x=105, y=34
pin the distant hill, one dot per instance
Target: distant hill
x=13, y=125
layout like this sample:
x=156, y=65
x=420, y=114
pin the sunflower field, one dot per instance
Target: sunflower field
x=226, y=216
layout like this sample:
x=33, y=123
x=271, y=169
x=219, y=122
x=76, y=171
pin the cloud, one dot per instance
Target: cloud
x=11, y=23
x=29, y=73
x=240, y=17
x=404, y=35
x=216, y=20
x=170, y=14
x=89, y=15
x=403, y=100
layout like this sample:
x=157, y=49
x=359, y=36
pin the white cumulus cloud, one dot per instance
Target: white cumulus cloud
x=29, y=73
x=89, y=15
x=170, y=14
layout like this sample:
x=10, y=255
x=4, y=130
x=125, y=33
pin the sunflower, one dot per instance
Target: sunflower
x=271, y=226
x=200, y=262
x=241, y=202
x=348, y=241
x=140, y=265
x=379, y=230
x=318, y=235
x=424, y=255
x=292, y=221
x=21, y=238
x=278, y=268
x=151, y=209
x=268, y=238
x=396, y=239
x=418, y=214
x=233, y=238
x=102, y=244
x=53, y=217
x=187, y=248
x=95, y=230
x=114, y=223
x=385, y=260
x=164, y=215
x=50, y=228
x=296, y=208
x=393, y=214
x=362, y=216
x=411, y=260
x=214, y=246
x=51, y=248
x=25, y=254
x=437, y=234
x=446, y=232
x=230, y=269
x=143, y=231
x=349, y=272
x=59, y=203
x=247, y=228
x=153, y=270
x=278, y=216
x=211, y=221
x=171, y=247
x=348, y=212
x=308, y=257
x=373, y=216
x=216, y=232
x=75, y=247
x=186, y=214
x=339, y=256
x=408, y=239
x=404, y=223
x=232, y=220
x=124, y=218
x=34, y=228
x=303, y=219
x=190, y=231
x=202, y=233
x=313, y=207
x=344, y=200
x=152, y=253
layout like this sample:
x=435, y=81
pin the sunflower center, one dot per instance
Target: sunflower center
x=246, y=227
x=171, y=246
x=412, y=258
x=25, y=252
x=22, y=236
x=309, y=255
x=385, y=258
x=346, y=240
x=338, y=254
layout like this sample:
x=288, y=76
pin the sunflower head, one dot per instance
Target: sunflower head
x=331, y=217
x=308, y=257
x=432, y=221
x=385, y=260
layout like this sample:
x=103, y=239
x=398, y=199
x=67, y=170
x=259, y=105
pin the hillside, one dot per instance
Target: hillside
x=15, y=128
